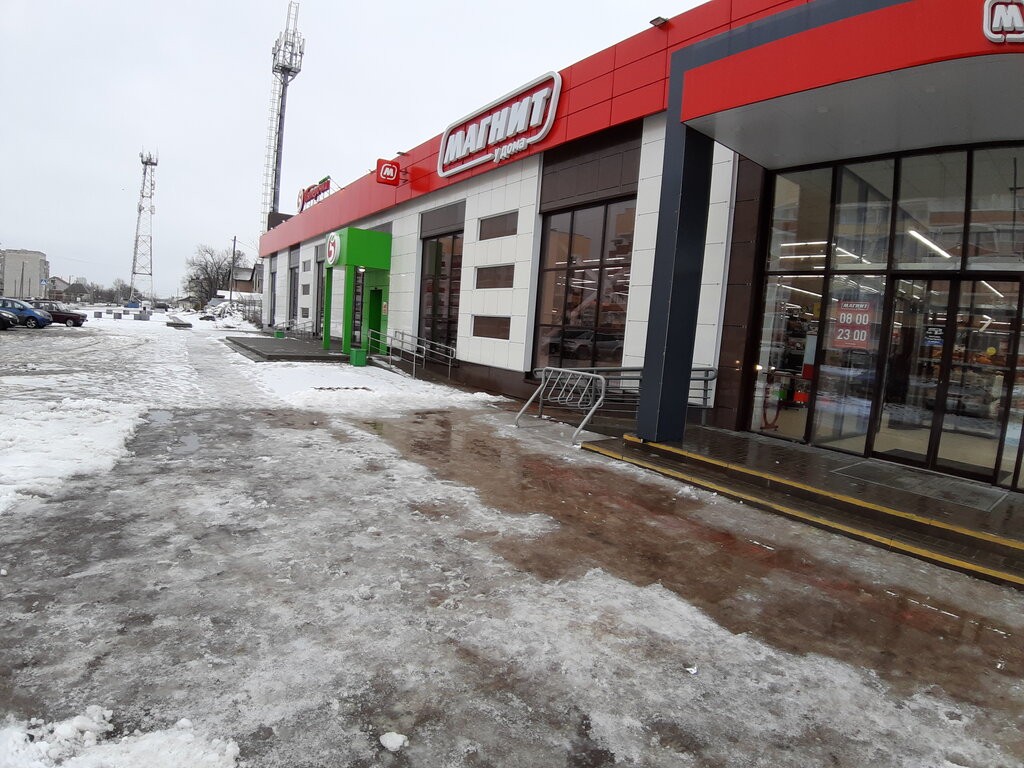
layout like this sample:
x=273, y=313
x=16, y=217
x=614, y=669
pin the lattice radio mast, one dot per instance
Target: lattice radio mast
x=142, y=260
x=288, y=52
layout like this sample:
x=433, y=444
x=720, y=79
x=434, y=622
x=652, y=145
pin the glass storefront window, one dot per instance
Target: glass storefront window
x=846, y=377
x=975, y=387
x=930, y=213
x=556, y=240
x=863, y=216
x=996, y=239
x=913, y=370
x=440, y=288
x=917, y=359
x=786, y=360
x=584, y=286
x=800, y=220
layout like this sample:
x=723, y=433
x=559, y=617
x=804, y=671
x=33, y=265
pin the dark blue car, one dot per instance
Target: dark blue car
x=28, y=315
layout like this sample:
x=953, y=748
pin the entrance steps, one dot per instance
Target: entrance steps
x=960, y=524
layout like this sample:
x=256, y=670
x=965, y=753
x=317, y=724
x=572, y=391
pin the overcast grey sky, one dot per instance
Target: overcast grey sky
x=85, y=86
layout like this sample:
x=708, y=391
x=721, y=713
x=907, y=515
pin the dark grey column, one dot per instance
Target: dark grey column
x=678, y=263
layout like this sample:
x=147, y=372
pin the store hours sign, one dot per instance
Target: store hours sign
x=853, y=324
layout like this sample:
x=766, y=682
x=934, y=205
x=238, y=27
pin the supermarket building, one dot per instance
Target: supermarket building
x=823, y=200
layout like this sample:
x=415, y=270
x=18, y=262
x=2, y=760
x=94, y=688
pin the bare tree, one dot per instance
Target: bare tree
x=208, y=272
x=120, y=291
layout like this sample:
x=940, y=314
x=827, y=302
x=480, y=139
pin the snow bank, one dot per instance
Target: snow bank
x=86, y=741
x=363, y=391
x=53, y=441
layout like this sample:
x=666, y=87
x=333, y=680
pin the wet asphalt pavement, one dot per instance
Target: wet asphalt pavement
x=303, y=581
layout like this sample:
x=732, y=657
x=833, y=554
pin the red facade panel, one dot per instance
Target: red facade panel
x=898, y=37
x=642, y=102
x=591, y=67
x=746, y=11
x=588, y=121
x=642, y=72
x=703, y=21
x=588, y=94
x=640, y=46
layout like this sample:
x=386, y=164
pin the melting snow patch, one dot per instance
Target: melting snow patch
x=97, y=429
x=394, y=741
x=85, y=741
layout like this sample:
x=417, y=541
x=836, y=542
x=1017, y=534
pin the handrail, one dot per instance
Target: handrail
x=404, y=346
x=619, y=388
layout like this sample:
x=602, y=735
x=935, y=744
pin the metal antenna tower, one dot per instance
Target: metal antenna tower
x=288, y=52
x=142, y=260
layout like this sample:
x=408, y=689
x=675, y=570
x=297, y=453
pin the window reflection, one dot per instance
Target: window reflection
x=800, y=220
x=996, y=239
x=863, y=216
x=930, y=216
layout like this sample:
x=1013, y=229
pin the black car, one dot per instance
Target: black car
x=8, y=320
x=61, y=313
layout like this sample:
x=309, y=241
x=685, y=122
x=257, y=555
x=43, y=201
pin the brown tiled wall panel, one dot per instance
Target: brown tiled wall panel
x=598, y=167
x=742, y=301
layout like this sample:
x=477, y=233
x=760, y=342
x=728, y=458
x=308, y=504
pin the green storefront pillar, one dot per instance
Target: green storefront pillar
x=351, y=248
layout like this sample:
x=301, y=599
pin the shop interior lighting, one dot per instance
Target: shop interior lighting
x=810, y=256
x=797, y=245
x=929, y=243
x=988, y=321
x=845, y=252
x=997, y=293
x=801, y=290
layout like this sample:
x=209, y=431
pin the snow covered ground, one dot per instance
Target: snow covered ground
x=211, y=561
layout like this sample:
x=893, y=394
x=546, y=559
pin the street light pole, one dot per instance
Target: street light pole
x=231, y=279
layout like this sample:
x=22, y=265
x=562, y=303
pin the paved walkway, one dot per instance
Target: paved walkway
x=268, y=348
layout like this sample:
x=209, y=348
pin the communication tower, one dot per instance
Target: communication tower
x=142, y=260
x=288, y=52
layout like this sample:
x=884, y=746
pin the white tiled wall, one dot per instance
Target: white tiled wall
x=307, y=253
x=716, y=251
x=281, y=310
x=514, y=187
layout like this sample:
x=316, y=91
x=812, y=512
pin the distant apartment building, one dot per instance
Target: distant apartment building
x=23, y=273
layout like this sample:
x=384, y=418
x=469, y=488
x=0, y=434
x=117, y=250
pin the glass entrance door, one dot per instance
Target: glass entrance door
x=948, y=377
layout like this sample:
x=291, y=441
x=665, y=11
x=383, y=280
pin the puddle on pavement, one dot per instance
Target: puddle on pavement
x=185, y=444
x=645, y=533
x=160, y=418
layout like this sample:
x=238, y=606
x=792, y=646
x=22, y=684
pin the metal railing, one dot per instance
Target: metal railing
x=303, y=330
x=404, y=346
x=614, y=391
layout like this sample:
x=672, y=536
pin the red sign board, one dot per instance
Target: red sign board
x=853, y=324
x=389, y=172
x=502, y=129
x=314, y=192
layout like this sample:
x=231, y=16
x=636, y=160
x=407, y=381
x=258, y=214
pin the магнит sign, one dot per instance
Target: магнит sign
x=502, y=129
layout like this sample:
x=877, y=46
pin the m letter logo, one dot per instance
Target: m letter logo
x=1004, y=21
x=388, y=173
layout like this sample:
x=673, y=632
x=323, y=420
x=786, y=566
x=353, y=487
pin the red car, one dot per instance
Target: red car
x=61, y=313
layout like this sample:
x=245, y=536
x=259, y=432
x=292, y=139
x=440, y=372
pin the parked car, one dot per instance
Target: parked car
x=61, y=313
x=28, y=315
x=577, y=344
x=7, y=320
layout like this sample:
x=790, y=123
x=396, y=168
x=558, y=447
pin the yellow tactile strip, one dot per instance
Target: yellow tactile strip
x=972, y=533
x=825, y=522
